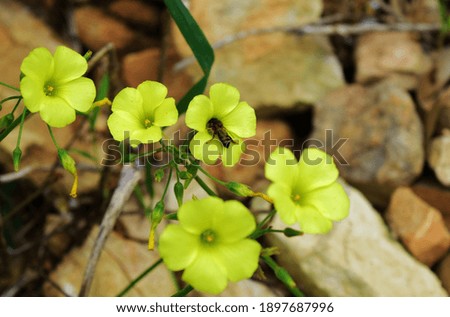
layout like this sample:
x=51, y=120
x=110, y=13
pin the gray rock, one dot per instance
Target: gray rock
x=357, y=258
x=439, y=158
x=271, y=68
x=383, y=133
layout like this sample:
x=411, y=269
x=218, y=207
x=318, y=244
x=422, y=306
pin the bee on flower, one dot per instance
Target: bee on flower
x=221, y=122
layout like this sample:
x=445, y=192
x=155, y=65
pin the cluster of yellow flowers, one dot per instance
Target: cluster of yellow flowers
x=211, y=240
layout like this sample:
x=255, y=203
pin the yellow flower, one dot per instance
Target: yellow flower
x=54, y=86
x=210, y=244
x=307, y=191
x=221, y=122
x=141, y=113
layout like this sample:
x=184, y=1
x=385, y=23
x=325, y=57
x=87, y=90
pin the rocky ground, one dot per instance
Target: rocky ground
x=378, y=101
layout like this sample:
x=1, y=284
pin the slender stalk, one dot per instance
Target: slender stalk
x=183, y=292
x=140, y=277
x=283, y=276
x=205, y=186
x=9, y=86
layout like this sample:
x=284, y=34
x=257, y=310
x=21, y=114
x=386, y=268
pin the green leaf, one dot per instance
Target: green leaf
x=199, y=45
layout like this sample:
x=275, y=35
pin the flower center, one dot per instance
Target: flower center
x=296, y=198
x=49, y=89
x=147, y=123
x=208, y=237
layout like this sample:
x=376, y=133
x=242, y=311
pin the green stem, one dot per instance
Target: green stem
x=267, y=218
x=211, y=177
x=140, y=277
x=10, y=87
x=167, y=184
x=15, y=123
x=283, y=276
x=11, y=98
x=183, y=292
x=204, y=186
x=22, y=120
x=53, y=137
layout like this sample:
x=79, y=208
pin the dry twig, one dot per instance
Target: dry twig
x=129, y=178
x=318, y=29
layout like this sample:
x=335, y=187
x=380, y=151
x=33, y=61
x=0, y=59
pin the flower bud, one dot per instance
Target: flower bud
x=240, y=189
x=156, y=217
x=179, y=191
x=17, y=154
x=289, y=232
x=5, y=121
x=68, y=164
x=159, y=174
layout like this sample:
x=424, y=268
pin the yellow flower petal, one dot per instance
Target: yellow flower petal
x=224, y=98
x=56, y=112
x=199, y=112
x=232, y=154
x=281, y=167
x=312, y=221
x=239, y=258
x=284, y=205
x=197, y=216
x=122, y=123
x=206, y=274
x=69, y=65
x=177, y=247
x=316, y=169
x=129, y=100
x=331, y=201
x=38, y=64
x=79, y=93
x=241, y=121
x=243, y=222
x=145, y=135
x=32, y=93
x=204, y=148
x=166, y=114
x=153, y=94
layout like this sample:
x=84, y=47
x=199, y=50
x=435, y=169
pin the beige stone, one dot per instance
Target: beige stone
x=276, y=68
x=375, y=135
x=20, y=32
x=96, y=29
x=418, y=225
x=439, y=158
x=444, y=272
x=136, y=11
x=382, y=54
x=357, y=258
x=120, y=262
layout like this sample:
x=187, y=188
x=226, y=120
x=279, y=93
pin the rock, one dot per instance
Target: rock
x=96, y=29
x=383, y=54
x=269, y=69
x=136, y=11
x=250, y=169
x=357, y=258
x=140, y=66
x=419, y=226
x=121, y=261
x=143, y=65
x=435, y=196
x=380, y=148
x=444, y=272
x=424, y=11
x=439, y=158
x=20, y=32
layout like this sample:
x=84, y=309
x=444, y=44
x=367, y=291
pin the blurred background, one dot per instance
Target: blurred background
x=366, y=80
